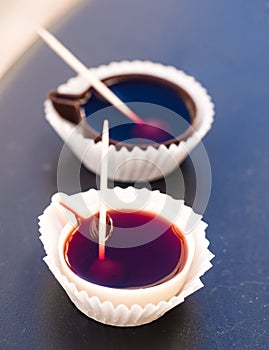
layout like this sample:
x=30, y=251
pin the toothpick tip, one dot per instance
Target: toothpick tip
x=105, y=125
x=40, y=31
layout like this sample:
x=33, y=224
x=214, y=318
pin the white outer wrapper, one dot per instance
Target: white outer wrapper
x=137, y=164
x=52, y=222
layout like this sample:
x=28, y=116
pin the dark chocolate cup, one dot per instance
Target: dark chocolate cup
x=70, y=107
x=64, y=113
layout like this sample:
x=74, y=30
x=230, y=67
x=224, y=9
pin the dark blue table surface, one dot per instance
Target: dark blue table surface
x=225, y=45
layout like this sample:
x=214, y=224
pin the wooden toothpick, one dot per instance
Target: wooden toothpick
x=81, y=69
x=103, y=190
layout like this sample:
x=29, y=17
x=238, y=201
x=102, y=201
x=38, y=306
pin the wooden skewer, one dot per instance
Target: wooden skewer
x=81, y=69
x=103, y=189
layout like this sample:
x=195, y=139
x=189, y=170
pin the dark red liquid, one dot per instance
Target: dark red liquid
x=160, y=125
x=143, y=250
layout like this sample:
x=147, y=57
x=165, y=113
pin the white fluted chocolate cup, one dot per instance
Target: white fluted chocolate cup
x=126, y=307
x=128, y=164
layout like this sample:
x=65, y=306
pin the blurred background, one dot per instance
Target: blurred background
x=18, y=20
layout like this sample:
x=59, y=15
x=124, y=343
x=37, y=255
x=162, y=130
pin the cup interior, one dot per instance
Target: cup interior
x=176, y=277
x=168, y=110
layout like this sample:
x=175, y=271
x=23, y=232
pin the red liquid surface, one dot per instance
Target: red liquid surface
x=160, y=124
x=143, y=250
